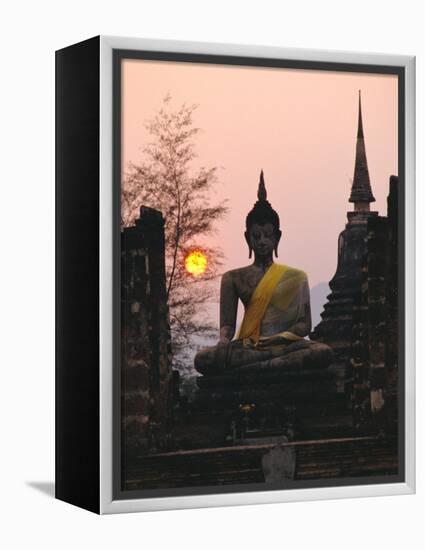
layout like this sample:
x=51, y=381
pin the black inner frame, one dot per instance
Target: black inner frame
x=120, y=55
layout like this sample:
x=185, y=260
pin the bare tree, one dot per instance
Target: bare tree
x=166, y=180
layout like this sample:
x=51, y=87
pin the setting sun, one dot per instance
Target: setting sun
x=196, y=263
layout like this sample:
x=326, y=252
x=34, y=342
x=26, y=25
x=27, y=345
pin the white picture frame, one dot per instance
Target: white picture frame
x=108, y=503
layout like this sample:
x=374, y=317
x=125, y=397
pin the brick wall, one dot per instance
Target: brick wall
x=146, y=376
x=374, y=350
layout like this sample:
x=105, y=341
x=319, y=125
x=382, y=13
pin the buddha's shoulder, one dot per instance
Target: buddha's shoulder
x=241, y=273
x=238, y=273
x=294, y=272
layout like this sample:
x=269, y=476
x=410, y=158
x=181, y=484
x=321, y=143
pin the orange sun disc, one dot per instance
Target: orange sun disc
x=196, y=263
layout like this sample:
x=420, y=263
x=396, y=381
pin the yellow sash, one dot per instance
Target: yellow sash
x=262, y=296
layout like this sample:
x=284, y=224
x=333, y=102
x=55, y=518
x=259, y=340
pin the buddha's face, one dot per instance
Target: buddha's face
x=263, y=239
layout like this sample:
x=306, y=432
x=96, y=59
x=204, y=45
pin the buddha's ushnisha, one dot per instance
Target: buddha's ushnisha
x=276, y=299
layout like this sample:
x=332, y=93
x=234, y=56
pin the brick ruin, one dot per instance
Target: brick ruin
x=375, y=334
x=336, y=326
x=360, y=318
x=167, y=442
x=146, y=376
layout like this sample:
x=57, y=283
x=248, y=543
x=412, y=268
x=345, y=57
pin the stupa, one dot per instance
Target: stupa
x=336, y=326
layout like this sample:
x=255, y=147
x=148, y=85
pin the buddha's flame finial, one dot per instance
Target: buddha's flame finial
x=262, y=193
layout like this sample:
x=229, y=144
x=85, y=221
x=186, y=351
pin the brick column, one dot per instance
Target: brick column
x=145, y=341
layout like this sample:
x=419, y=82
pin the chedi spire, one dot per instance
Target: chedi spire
x=361, y=191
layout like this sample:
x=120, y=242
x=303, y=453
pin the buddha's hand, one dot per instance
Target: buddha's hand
x=223, y=341
x=276, y=340
x=226, y=335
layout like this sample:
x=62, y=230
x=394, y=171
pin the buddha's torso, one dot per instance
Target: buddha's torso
x=245, y=281
x=275, y=321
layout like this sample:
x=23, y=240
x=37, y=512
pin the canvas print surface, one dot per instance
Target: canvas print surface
x=260, y=302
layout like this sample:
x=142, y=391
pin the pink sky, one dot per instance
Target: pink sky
x=298, y=126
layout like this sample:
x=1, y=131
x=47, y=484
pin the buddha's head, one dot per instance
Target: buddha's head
x=262, y=226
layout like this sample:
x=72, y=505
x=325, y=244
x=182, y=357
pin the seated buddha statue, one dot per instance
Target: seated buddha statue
x=277, y=314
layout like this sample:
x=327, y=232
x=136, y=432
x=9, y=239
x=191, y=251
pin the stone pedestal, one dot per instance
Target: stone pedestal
x=295, y=399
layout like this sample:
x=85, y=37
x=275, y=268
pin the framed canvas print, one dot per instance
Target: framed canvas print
x=235, y=274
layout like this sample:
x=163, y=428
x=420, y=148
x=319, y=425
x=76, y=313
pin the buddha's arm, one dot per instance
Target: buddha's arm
x=228, y=308
x=302, y=324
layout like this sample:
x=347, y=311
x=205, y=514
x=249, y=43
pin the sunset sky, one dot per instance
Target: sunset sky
x=298, y=126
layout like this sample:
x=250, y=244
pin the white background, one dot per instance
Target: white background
x=30, y=32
